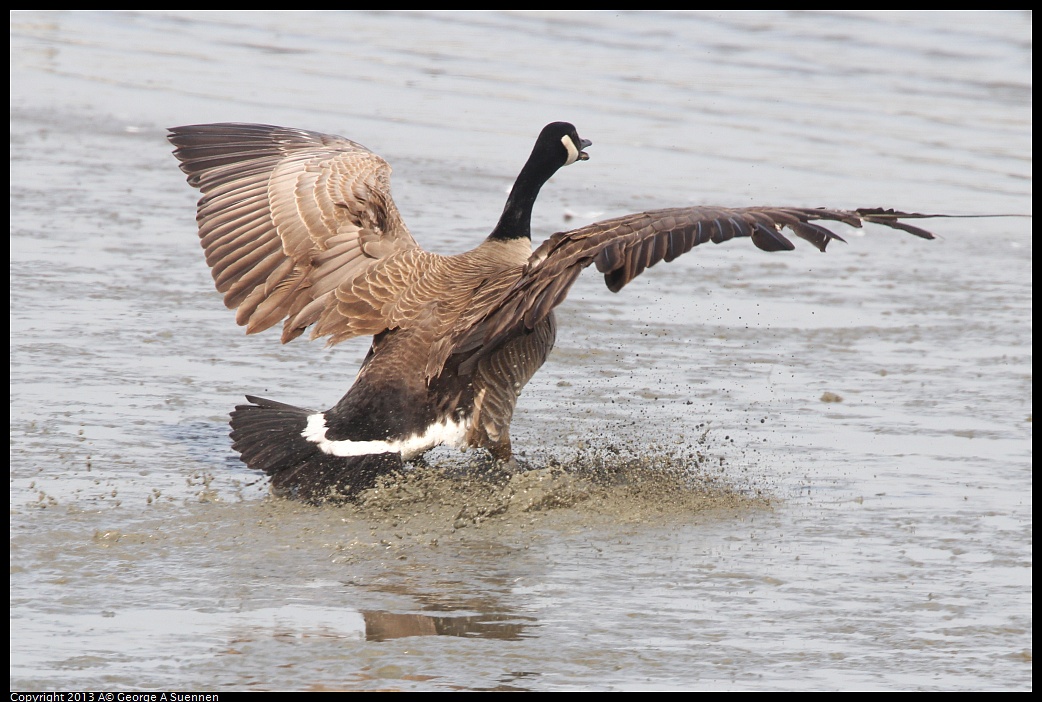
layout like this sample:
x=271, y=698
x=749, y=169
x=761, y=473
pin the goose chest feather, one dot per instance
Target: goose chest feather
x=300, y=228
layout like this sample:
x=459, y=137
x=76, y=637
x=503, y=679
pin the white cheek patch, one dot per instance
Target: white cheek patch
x=573, y=151
x=444, y=432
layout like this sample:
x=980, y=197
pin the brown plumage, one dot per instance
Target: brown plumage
x=300, y=228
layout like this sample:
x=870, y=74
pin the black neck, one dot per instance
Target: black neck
x=516, y=220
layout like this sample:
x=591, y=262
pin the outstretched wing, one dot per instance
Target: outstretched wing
x=622, y=248
x=287, y=217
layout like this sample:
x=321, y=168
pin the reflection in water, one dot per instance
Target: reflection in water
x=383, y=626
x=490, y=612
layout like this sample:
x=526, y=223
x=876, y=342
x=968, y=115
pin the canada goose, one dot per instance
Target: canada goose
x=300, y=227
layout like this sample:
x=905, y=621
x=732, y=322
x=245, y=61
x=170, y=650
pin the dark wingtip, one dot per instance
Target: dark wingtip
x=891, y=218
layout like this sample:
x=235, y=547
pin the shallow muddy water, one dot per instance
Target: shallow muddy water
x=748, y=470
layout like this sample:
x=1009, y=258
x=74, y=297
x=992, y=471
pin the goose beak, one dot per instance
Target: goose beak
x=584, y=144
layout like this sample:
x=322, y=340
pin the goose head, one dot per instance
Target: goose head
x=561, y=134
x=557, y=146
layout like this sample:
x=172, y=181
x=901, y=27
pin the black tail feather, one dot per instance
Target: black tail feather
x=269, y=436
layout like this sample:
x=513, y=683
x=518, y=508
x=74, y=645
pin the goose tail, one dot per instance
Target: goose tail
x=270, y=436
